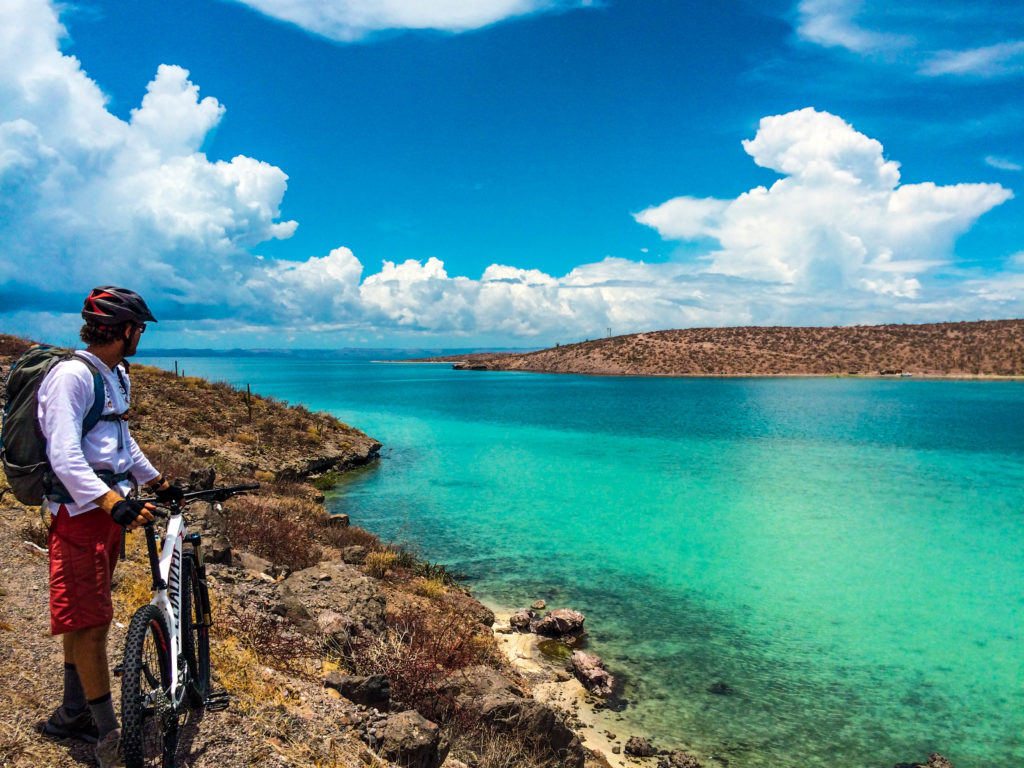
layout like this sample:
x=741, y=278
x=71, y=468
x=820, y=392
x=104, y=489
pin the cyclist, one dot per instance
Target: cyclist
x=89, y=510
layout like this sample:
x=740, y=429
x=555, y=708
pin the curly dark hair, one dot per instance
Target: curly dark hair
x=102, y=334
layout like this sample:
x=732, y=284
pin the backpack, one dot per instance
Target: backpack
x=22, y=445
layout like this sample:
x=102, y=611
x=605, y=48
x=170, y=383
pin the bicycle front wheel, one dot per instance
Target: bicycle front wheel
x=195, y=630
x=149, y=727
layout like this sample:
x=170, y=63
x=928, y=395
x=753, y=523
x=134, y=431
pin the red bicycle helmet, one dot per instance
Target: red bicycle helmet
x=110, y=305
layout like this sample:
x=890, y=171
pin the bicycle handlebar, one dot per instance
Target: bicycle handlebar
x=212, y=495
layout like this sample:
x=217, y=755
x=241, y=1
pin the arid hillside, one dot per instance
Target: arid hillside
x=991, y=348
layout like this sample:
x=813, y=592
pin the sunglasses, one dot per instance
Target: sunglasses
x=141, y=327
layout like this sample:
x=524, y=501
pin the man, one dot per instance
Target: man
x=89, y=510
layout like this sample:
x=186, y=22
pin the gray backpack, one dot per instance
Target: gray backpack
x=22, y=445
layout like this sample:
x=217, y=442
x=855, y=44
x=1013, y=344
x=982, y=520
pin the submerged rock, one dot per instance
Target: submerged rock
x=677, y=758
x=935, y=760
x=555, y=649
x=638, y=746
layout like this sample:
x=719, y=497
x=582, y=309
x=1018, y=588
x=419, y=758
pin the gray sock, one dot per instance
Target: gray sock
x=103, y=714
x=74, y=695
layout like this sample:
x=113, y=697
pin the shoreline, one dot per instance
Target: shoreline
x=591, y=725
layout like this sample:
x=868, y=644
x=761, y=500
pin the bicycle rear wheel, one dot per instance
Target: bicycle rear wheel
x=149, y=727
x=195, y=630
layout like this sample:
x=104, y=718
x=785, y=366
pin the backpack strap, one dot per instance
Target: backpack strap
x=99, y=395
x=56, y=492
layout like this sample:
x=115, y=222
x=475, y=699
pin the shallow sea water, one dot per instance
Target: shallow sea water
x=844, y=555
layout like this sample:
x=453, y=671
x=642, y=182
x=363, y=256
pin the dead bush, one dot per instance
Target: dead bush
x=281, y=530
x=350, y=536
x=417, y=652
x=273, y=641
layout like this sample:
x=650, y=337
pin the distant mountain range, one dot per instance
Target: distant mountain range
x=344, y=353
x=985, y=348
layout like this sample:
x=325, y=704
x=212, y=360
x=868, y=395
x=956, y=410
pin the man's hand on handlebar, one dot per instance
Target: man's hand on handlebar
x=131, y=513
x=169, y=494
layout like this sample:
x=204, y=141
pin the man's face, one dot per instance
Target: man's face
x=135, y=333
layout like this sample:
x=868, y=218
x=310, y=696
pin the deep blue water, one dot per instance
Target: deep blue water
x=844, y=554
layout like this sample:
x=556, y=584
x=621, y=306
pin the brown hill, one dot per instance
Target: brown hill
x=990, y=348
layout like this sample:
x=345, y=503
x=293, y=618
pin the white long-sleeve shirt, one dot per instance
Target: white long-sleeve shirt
x=65, y=396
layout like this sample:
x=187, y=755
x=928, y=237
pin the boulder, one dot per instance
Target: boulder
x=216, y=549
x=338, y=521
x=371, y=690
x=354, y=555
x=251, y=562
x=562, y=623
x=638, y=746
x=486, y=694
x=520, y=620
x=539, y=605
x=677, y=758
x=334, y=600
x=412, y=741
x=589, y=670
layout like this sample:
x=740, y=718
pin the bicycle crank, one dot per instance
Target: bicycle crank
x=218, y=701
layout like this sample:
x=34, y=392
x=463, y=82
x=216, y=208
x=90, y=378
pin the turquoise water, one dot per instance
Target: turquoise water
x=845, y=555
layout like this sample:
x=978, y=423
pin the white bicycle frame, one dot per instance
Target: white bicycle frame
x=168, y=597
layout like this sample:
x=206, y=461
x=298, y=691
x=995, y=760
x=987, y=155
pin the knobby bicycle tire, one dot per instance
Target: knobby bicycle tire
x=195, y=630
x=149, y=729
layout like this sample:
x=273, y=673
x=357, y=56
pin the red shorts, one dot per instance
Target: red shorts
x=83, y=553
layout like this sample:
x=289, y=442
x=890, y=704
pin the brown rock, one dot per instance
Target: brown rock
x=935, y=760
x=412, y=741
x=638, y=746
x=677, y=758
x=369, y=690
x=487, y=694
x=589, y=670
x=349, y=603
x=563, y=623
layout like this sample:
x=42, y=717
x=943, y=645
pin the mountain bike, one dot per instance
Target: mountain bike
x=166, y=666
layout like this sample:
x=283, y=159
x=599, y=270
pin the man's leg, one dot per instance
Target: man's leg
x=89, y=649
x=74, y=695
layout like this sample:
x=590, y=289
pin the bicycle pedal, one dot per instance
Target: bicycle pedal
x=217, y=702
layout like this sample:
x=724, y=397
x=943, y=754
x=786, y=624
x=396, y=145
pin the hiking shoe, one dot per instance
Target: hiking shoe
x=62, y=725
x=108, y=750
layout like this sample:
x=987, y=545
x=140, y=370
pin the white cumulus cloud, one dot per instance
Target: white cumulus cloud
x=87, y=198
x=346, y=20
x=838, y=219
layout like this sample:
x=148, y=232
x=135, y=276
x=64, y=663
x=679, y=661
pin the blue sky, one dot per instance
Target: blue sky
x=326, y=173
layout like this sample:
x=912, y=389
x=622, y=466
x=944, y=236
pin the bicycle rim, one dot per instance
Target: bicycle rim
x=149, y=730
x=195, y=631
